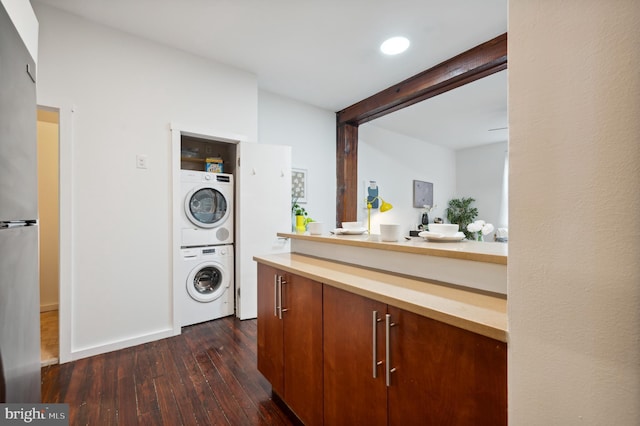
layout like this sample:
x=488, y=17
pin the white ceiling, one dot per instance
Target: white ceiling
x=325, y=52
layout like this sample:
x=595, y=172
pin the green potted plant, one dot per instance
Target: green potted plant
x=461, y=212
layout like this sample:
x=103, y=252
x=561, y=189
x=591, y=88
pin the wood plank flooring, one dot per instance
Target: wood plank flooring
x=48, y=338
x=205, y=376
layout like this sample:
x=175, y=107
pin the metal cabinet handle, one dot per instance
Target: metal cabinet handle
x=280, y=310
x=389, y=370
x=276, y=279
x=280, y=297
x=374, y=327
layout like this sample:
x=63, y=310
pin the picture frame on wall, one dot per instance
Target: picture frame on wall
x=299, y=188
x=371, y=191
x=422, y=194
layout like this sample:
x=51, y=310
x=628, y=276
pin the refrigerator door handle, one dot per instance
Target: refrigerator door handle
x=30, y=73
x=12, y=224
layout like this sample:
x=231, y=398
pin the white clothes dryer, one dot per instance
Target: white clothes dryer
x=207, y=208
x=206, y=288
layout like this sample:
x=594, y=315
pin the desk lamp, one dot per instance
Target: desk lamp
x=383, y=208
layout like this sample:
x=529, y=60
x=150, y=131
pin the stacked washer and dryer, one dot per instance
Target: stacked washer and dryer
x=206, y=253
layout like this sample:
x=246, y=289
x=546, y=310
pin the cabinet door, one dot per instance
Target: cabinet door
x=302, y=317
x=351, y=395
x=444, y=375
x=263, y=208
x=270, y=330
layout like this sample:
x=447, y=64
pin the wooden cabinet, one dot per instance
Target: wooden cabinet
x=270, y=329
x=439, y=374
x=338, y=358
x=290, y=340
x=444, y=375
x=351, y=395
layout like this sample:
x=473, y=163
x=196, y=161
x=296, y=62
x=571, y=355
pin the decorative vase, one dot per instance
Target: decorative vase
x=479, y=236
x=300, y=225
x=425, y=219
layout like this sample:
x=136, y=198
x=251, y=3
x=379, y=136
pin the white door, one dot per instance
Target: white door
x=264, y=209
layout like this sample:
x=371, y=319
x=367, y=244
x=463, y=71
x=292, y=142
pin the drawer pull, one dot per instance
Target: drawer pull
x=389, y=370
x=276, y=279
x=280, y=310
x=374, y=327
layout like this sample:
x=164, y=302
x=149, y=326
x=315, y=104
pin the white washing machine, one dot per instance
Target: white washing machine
x=206, y=287
x=207, y=208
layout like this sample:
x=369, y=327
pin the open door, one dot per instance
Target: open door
x=263, y=208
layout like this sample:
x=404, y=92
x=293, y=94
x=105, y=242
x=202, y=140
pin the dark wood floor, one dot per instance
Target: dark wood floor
x=205, y=376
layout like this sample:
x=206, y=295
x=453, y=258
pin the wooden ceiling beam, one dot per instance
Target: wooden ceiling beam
x=474, y=64
x=478, y=62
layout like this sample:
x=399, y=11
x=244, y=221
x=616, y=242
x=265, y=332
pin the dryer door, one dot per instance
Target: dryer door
x=206, y=207
x=207, y=282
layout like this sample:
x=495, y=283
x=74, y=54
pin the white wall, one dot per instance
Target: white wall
x=117, y=95
x=473, y=172
x=574, y=247
x=395, y=161
x=311, y=132
x=480, y=174
x=25, y=21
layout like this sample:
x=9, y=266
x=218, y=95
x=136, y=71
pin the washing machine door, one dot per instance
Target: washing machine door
x=206, y=207
x=207, y=282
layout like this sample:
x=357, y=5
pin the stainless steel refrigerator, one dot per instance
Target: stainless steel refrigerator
x=19, y=273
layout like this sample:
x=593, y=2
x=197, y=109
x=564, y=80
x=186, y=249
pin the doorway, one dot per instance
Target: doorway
x=48, y=126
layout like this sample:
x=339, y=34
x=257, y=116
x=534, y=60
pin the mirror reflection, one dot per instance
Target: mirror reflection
x=458, y=141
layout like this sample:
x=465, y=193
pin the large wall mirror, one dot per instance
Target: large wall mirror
x=445, y=126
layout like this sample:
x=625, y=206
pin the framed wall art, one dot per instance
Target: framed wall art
x=422, y=194
x=371, y=191
x=299, y=190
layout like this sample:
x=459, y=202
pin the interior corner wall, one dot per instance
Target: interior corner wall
x=122, y=93
x=480, y=175
x=311, y=132
x=395, y=161
x=574, y=245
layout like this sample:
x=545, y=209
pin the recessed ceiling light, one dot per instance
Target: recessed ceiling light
x=394, y=45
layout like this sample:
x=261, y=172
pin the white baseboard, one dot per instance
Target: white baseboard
x=122, y=344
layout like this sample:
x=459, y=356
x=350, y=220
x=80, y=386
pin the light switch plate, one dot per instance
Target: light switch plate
x=141, y=161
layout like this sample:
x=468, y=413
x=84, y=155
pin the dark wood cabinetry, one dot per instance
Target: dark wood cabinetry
x=270, y=329
x=290, y=340
x=444, y=375
x=431, y=374
x=338, y=358
x=351, y=395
